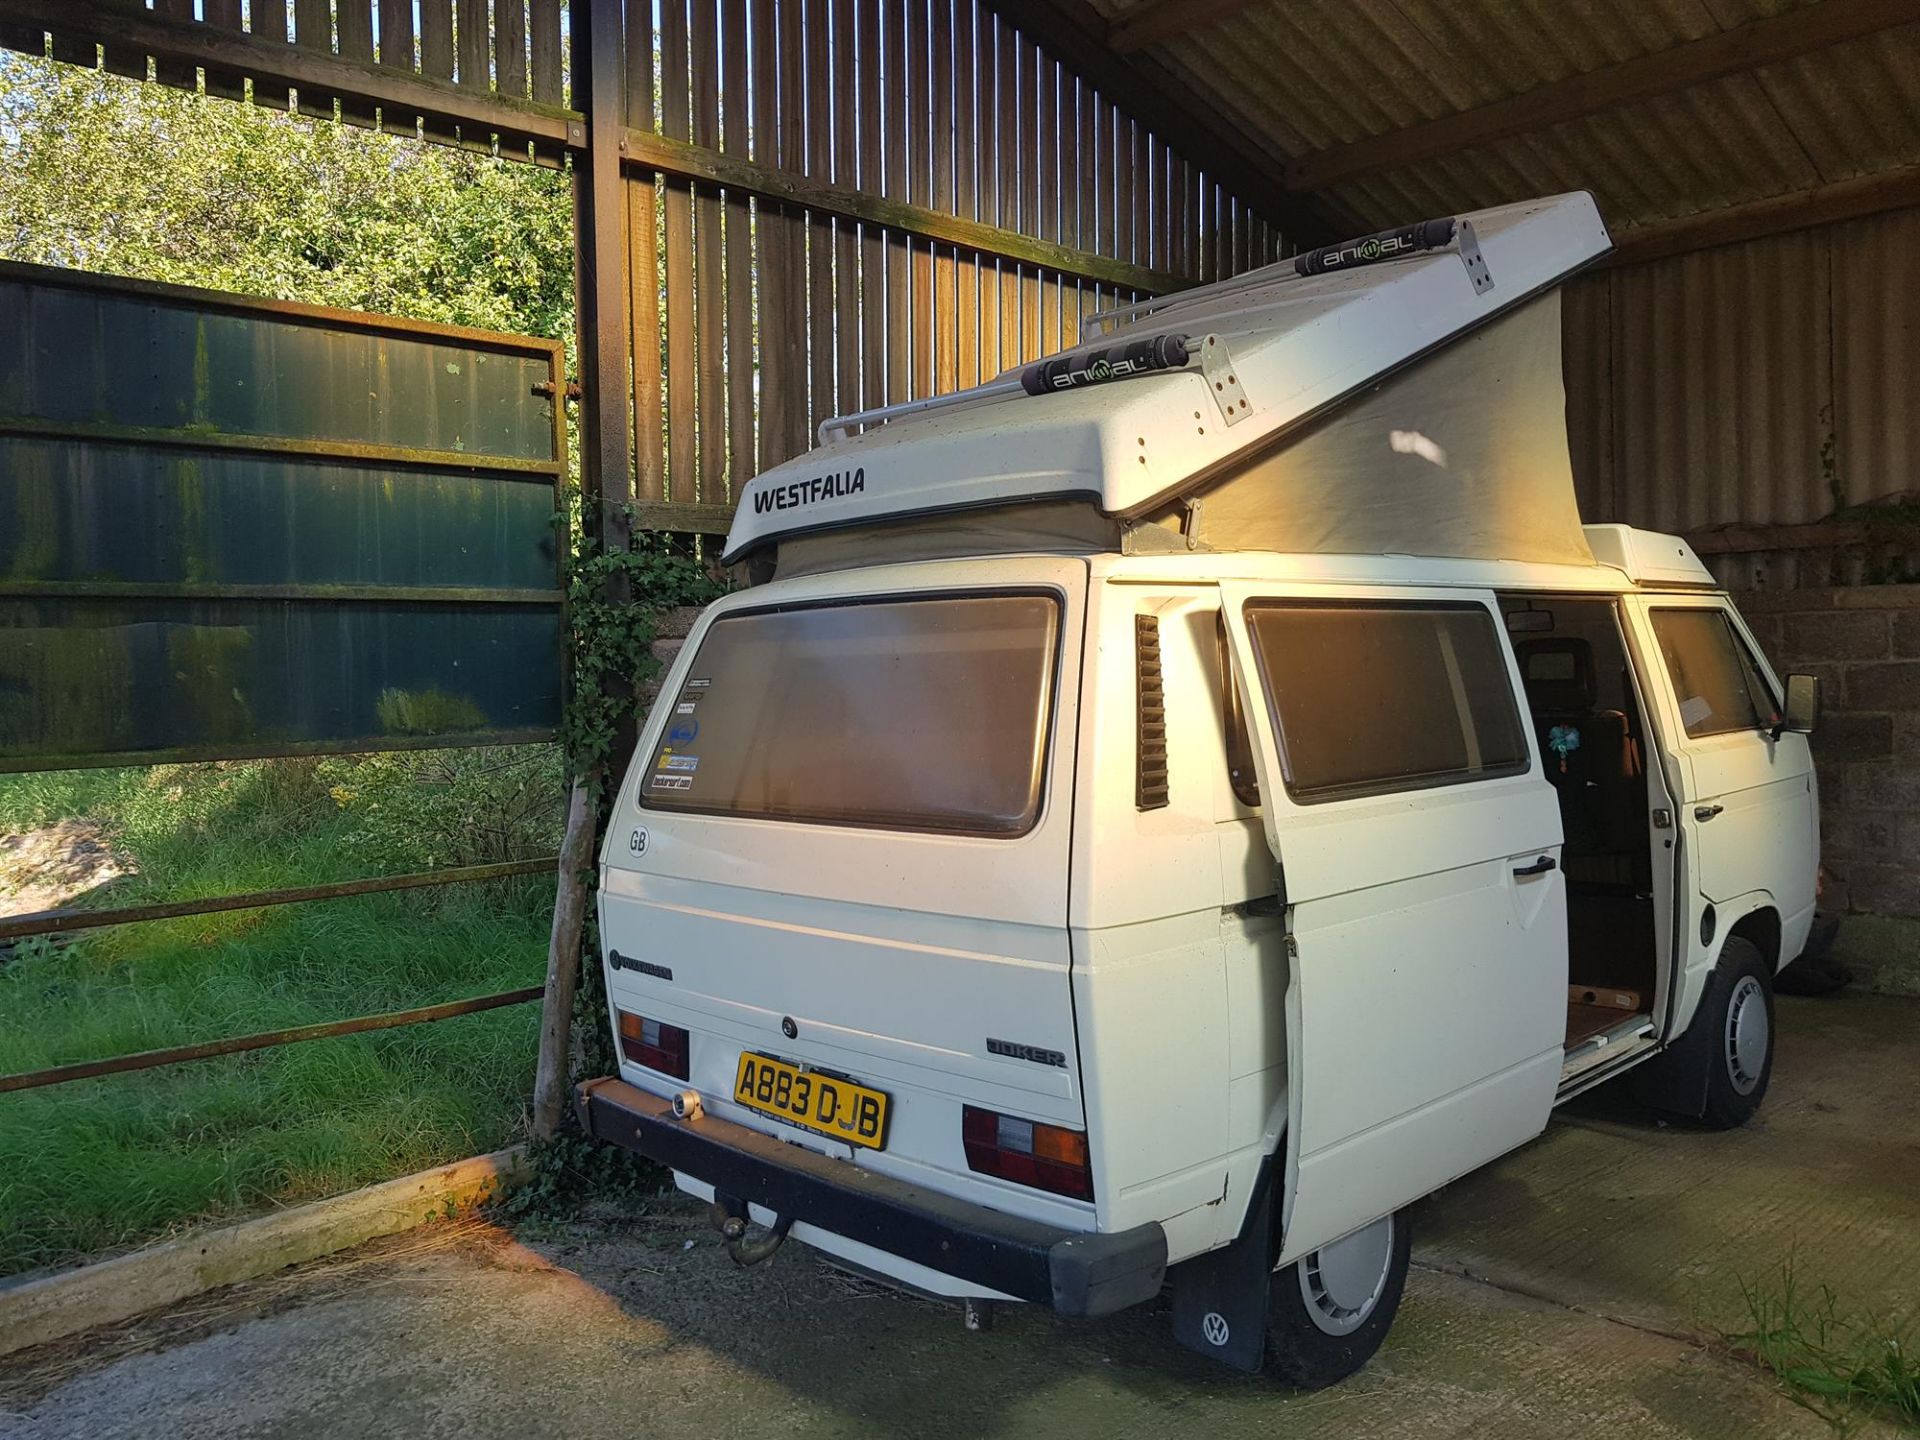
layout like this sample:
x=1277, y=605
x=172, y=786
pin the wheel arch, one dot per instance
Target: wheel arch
x=1761, y=928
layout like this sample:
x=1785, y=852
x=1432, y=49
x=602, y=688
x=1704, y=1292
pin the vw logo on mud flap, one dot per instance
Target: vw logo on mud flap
x=1213, y=1325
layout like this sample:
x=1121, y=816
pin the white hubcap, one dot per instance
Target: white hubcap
x=1746, y=1035
x=1342, y=1282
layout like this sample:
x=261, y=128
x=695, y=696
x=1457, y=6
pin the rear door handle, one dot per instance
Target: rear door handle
x=1707, y=812
x=1538, y=867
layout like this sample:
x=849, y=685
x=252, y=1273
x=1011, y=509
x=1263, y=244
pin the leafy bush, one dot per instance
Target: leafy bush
x=275, y=204
x=569, y=1171
x=613, y=597
x=422, y=809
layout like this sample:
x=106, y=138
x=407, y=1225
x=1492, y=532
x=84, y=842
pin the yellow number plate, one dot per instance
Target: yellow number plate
x=835, y=1107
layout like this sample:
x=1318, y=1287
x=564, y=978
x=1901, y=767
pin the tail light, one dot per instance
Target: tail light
x=1027, y=1152
x=654, y=1045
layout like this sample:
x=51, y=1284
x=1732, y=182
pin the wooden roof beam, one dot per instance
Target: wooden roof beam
x=1776, y=215
x=402, y=93
x=1730, y=52
x=1152, y=21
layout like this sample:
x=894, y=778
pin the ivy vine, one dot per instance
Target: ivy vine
x=614, y=601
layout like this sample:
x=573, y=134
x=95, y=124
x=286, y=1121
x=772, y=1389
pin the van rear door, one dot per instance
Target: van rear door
x=1418, y=844
x=843, y=845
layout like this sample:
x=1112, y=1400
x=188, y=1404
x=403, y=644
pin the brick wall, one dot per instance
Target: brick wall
x=1864, y=644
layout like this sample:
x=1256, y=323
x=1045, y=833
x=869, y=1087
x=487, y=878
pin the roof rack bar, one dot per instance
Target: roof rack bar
x=1399, y=243
x=1103, y=319
x=845, y=424
x=1066, y=371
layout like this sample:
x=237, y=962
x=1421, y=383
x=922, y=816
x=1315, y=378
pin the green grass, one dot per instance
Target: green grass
x=1838, y=1364
x=100, y=1164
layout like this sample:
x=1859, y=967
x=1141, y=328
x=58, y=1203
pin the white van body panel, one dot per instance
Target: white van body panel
x=895, y=953
x=1410, y=1032
x=1169, y=997
x=1408, y=915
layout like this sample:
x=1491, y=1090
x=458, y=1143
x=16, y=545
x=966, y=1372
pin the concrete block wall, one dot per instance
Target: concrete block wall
x=670, y=633
x=1864, y=644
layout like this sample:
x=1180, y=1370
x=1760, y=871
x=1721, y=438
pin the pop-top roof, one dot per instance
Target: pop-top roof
x=1270, y=349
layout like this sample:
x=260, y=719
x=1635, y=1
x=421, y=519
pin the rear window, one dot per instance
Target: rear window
x=1371, y=698
x=1718, y=683
x=926, y=713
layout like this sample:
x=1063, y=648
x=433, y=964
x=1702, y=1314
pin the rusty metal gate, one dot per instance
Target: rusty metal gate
x=241, y=528
x=238, y=528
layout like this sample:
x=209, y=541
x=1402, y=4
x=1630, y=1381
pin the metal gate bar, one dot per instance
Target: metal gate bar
x=148, y=1059
x=49, y=922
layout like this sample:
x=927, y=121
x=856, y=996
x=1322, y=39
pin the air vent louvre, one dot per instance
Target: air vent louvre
x=1150, y=749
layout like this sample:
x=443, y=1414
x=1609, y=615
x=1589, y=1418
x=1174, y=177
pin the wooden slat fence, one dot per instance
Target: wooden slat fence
x=829, y=204
x=776, y=315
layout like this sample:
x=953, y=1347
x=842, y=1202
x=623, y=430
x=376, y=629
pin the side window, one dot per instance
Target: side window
x=1719, y=685
x=1375, y=696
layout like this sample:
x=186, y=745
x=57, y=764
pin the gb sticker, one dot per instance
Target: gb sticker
x=637, y=841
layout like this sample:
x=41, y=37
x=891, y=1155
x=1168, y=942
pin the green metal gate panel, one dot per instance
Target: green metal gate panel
x=232, y=527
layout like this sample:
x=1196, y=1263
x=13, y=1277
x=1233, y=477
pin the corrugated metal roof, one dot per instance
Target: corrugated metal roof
x=1763, y=383
x=1876, y=356
x=1768, y=382
x=1297, y=76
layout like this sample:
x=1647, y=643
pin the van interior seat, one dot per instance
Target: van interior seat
x=1591, y=755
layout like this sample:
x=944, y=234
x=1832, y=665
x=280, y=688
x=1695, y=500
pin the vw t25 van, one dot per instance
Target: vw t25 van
x=1155, y=817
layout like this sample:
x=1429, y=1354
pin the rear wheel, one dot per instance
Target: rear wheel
x=1742, y=1031
x=1330, y=1311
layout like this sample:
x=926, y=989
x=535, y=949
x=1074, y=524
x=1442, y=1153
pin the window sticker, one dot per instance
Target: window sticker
x=683, y=732
x=1694, y=711
x=670, y=782
x=698, y=684
x=685, y=707
x=679, y=762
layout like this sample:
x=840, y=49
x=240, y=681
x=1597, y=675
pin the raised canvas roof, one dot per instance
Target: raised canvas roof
x=1270, y=350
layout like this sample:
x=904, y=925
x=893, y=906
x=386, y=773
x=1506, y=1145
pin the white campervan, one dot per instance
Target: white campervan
x=1160, y=814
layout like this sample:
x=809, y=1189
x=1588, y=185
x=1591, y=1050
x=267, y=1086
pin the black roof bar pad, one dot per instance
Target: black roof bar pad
x=1113, y=362
x=1399, y=243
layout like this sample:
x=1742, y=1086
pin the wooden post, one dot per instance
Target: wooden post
x=600, y=249
x=600, y=239
x=563, y=962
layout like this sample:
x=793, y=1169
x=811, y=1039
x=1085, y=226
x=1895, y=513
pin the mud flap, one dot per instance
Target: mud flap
x=1220, y=1298
x=1675, y=1081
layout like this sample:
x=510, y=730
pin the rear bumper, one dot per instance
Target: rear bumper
x=1072, y=1272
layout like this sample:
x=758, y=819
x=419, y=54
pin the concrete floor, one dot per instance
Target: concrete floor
x=1577, y=1283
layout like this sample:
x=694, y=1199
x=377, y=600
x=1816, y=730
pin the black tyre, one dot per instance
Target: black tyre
x=1741, y=1028
x=1329, y=1312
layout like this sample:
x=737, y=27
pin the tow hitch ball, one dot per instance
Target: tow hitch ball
x=729, y=1217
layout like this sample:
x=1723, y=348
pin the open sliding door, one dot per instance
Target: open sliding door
x=1418, y=845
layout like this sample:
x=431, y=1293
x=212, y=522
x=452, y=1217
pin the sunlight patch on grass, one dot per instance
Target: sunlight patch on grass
x=101, y=1164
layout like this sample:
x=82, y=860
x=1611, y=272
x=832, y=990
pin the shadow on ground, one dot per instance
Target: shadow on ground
x=1619, y=1230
